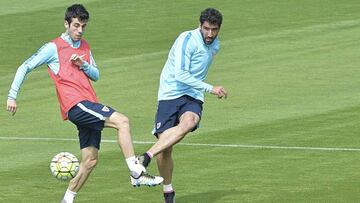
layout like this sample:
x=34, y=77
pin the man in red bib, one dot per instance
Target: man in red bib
x=71, y=67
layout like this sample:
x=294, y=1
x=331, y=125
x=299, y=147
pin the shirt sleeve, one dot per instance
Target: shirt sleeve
x=183, y=51
x=90, y=69
x=44, y=55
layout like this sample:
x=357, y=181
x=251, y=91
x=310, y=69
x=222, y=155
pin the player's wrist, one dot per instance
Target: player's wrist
x=11, y=98
x=209, y=88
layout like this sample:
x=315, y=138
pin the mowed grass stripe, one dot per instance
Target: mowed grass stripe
x=313, y=30
x=20, y=6
x=193, y=144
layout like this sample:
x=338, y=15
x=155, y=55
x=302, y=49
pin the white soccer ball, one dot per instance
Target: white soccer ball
x=64, y=166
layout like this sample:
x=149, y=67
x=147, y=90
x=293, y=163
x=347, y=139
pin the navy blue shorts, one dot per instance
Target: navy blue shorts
x=170, y=111
x=89, y=117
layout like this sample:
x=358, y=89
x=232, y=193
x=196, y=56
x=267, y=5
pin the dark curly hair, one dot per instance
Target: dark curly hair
x=76, y=11
x=212, y=16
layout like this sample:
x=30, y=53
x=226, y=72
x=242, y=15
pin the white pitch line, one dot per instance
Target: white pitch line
x=196, y=144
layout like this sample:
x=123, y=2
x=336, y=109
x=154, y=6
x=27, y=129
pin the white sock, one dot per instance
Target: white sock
x=135, y=168
x=69, y=196
x=168, y=188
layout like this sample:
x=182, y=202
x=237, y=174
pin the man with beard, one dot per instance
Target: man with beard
x=181, y=92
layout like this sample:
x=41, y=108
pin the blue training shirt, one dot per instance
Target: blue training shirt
x=47, y=54
x=187, y=66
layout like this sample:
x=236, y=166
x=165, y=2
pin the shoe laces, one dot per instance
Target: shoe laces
x=147, y=176
x=140, y=159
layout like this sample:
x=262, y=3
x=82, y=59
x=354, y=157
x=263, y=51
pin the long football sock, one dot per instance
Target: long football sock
x=168, y=188
x=147, y=158
x=69, y=196
x=135, y=168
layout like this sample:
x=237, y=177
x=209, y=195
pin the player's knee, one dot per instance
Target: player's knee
x=188, y=124
x=121, y=121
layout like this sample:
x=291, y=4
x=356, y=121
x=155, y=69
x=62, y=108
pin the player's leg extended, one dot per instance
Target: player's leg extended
x=138, y=171
x=121, y=123
x=171, y=136
x=87, y=164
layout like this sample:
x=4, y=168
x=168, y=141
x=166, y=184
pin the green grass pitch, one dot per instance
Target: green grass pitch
x=288, y=132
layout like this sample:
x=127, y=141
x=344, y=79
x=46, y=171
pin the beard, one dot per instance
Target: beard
x=208, y=40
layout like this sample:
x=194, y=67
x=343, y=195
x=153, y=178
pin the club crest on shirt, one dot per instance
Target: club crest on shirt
x=105, y=109
x=158, y=125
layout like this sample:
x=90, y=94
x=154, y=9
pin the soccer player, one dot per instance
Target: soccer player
x=181, y=92
x=71, y=66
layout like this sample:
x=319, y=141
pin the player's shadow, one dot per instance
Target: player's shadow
x=206, y=197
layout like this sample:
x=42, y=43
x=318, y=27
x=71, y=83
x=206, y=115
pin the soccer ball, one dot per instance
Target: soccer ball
x=64, y=166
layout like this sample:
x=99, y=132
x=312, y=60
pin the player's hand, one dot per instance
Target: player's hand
x=11, y=106
x=219, y=91
x=77, y=60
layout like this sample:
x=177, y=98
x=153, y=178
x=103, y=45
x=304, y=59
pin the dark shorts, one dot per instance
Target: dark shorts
x=170, y=111
x=89, y=117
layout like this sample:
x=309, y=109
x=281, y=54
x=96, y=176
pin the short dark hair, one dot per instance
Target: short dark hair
x=76, y=11
x=212, y=16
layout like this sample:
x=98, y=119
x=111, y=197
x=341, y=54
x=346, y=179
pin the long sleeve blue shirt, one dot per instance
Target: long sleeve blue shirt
x=187, y=66
x=47, y=54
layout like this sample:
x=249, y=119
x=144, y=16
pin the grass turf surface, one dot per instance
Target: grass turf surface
x=291, y=68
